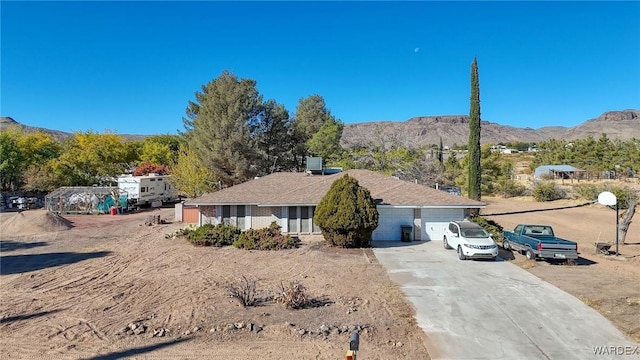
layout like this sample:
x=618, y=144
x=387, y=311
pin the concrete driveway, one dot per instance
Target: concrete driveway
x=496, y=310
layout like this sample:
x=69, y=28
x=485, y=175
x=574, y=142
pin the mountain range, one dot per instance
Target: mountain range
x=453, y=129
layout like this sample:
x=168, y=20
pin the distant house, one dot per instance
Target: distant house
x=559, y=172
x=290, y=200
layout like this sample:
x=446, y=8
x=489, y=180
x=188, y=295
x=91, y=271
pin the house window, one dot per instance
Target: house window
x=240, y=215
x=315, y=227
x=293, y=219
x=143, y=189
x=305, y=219
x=226, y=214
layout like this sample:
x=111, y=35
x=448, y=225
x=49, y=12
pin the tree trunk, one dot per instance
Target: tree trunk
x=623, y=226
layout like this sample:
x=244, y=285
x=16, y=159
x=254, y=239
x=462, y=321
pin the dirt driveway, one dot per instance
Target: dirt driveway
x=110, y=287
x=493, y=309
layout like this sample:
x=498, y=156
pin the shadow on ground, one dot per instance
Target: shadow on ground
x=15, y=264
x=11, y=245
x=392, y=244
x=137, y=351
x=11, y=319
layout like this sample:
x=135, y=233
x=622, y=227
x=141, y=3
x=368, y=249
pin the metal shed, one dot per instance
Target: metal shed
x=559, y=172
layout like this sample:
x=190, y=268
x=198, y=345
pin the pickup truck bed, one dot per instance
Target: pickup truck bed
x=538, y=241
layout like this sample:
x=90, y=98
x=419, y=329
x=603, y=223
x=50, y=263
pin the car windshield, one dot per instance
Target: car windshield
x=474, y=233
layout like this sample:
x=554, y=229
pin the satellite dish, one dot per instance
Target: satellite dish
x=607, y=198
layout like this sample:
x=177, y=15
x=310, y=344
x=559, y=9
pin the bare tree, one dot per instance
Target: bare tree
x=626, y=218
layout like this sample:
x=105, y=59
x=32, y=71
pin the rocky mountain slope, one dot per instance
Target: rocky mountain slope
x=6, y=122
x=454, y=130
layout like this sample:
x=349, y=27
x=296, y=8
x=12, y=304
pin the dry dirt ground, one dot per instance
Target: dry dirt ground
x=608, y=283
x=70, y=287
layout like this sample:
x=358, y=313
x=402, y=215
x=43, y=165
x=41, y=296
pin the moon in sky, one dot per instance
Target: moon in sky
x=416, y=49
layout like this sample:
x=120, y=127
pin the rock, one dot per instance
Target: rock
x=239, y=325
x=302, y=331
x=324, y=329
x=256, y=328
x=213, y=330
x=399, y=344
x=290, y=324
x=140, y=329
x=160, y=332
x=195, y=329
x=230, y=327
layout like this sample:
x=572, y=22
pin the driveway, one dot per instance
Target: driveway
x=495, y=310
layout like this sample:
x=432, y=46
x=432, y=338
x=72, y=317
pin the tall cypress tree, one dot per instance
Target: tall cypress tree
x=474, y=135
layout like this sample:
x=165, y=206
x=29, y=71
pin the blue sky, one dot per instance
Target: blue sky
x=132, y=67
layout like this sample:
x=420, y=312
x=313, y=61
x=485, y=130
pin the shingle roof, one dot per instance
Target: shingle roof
x=282, y=189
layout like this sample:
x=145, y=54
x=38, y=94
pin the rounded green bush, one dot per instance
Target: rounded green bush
x=347, y=214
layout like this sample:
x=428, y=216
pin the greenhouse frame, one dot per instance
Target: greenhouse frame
x=86, y=200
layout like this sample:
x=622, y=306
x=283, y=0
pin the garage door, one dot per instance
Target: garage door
x=436, y=220
x=390, y=221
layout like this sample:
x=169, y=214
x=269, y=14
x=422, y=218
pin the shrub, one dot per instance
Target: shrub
x=292, y=296
x=490, y=226
x=510, y=188
x=548, y=191
x=269, y=238
x=624, y=195
x=244, y=291
x=347, y=214
x=588, y=191
x=214, y=235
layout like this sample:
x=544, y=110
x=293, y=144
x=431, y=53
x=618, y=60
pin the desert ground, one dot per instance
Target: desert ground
x=72, y=293
x=107, y=287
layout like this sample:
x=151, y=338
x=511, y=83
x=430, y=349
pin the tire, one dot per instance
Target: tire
x=445, y=243
x=530, y=254
x=460, y=254
x=506, y=245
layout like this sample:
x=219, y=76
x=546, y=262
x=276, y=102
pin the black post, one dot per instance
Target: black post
x=617, y=231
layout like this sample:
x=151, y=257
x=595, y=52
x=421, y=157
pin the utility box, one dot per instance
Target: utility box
x=407, y=232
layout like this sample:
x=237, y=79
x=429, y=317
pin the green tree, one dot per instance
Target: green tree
x=91, y=158
x=347, y=214
x=38, y=148
x=160, y=149
x=326, y=142
x=219, y=127
x=475, y=171
x=274, y=135
x=189, y=177
x=311, y=116
x=11, y=160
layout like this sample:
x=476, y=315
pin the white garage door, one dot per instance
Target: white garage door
x=390, y=221
x=436, y=220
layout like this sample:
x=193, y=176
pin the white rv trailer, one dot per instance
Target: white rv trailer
x=149, y=190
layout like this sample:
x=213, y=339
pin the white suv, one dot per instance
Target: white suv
x=470, y=240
